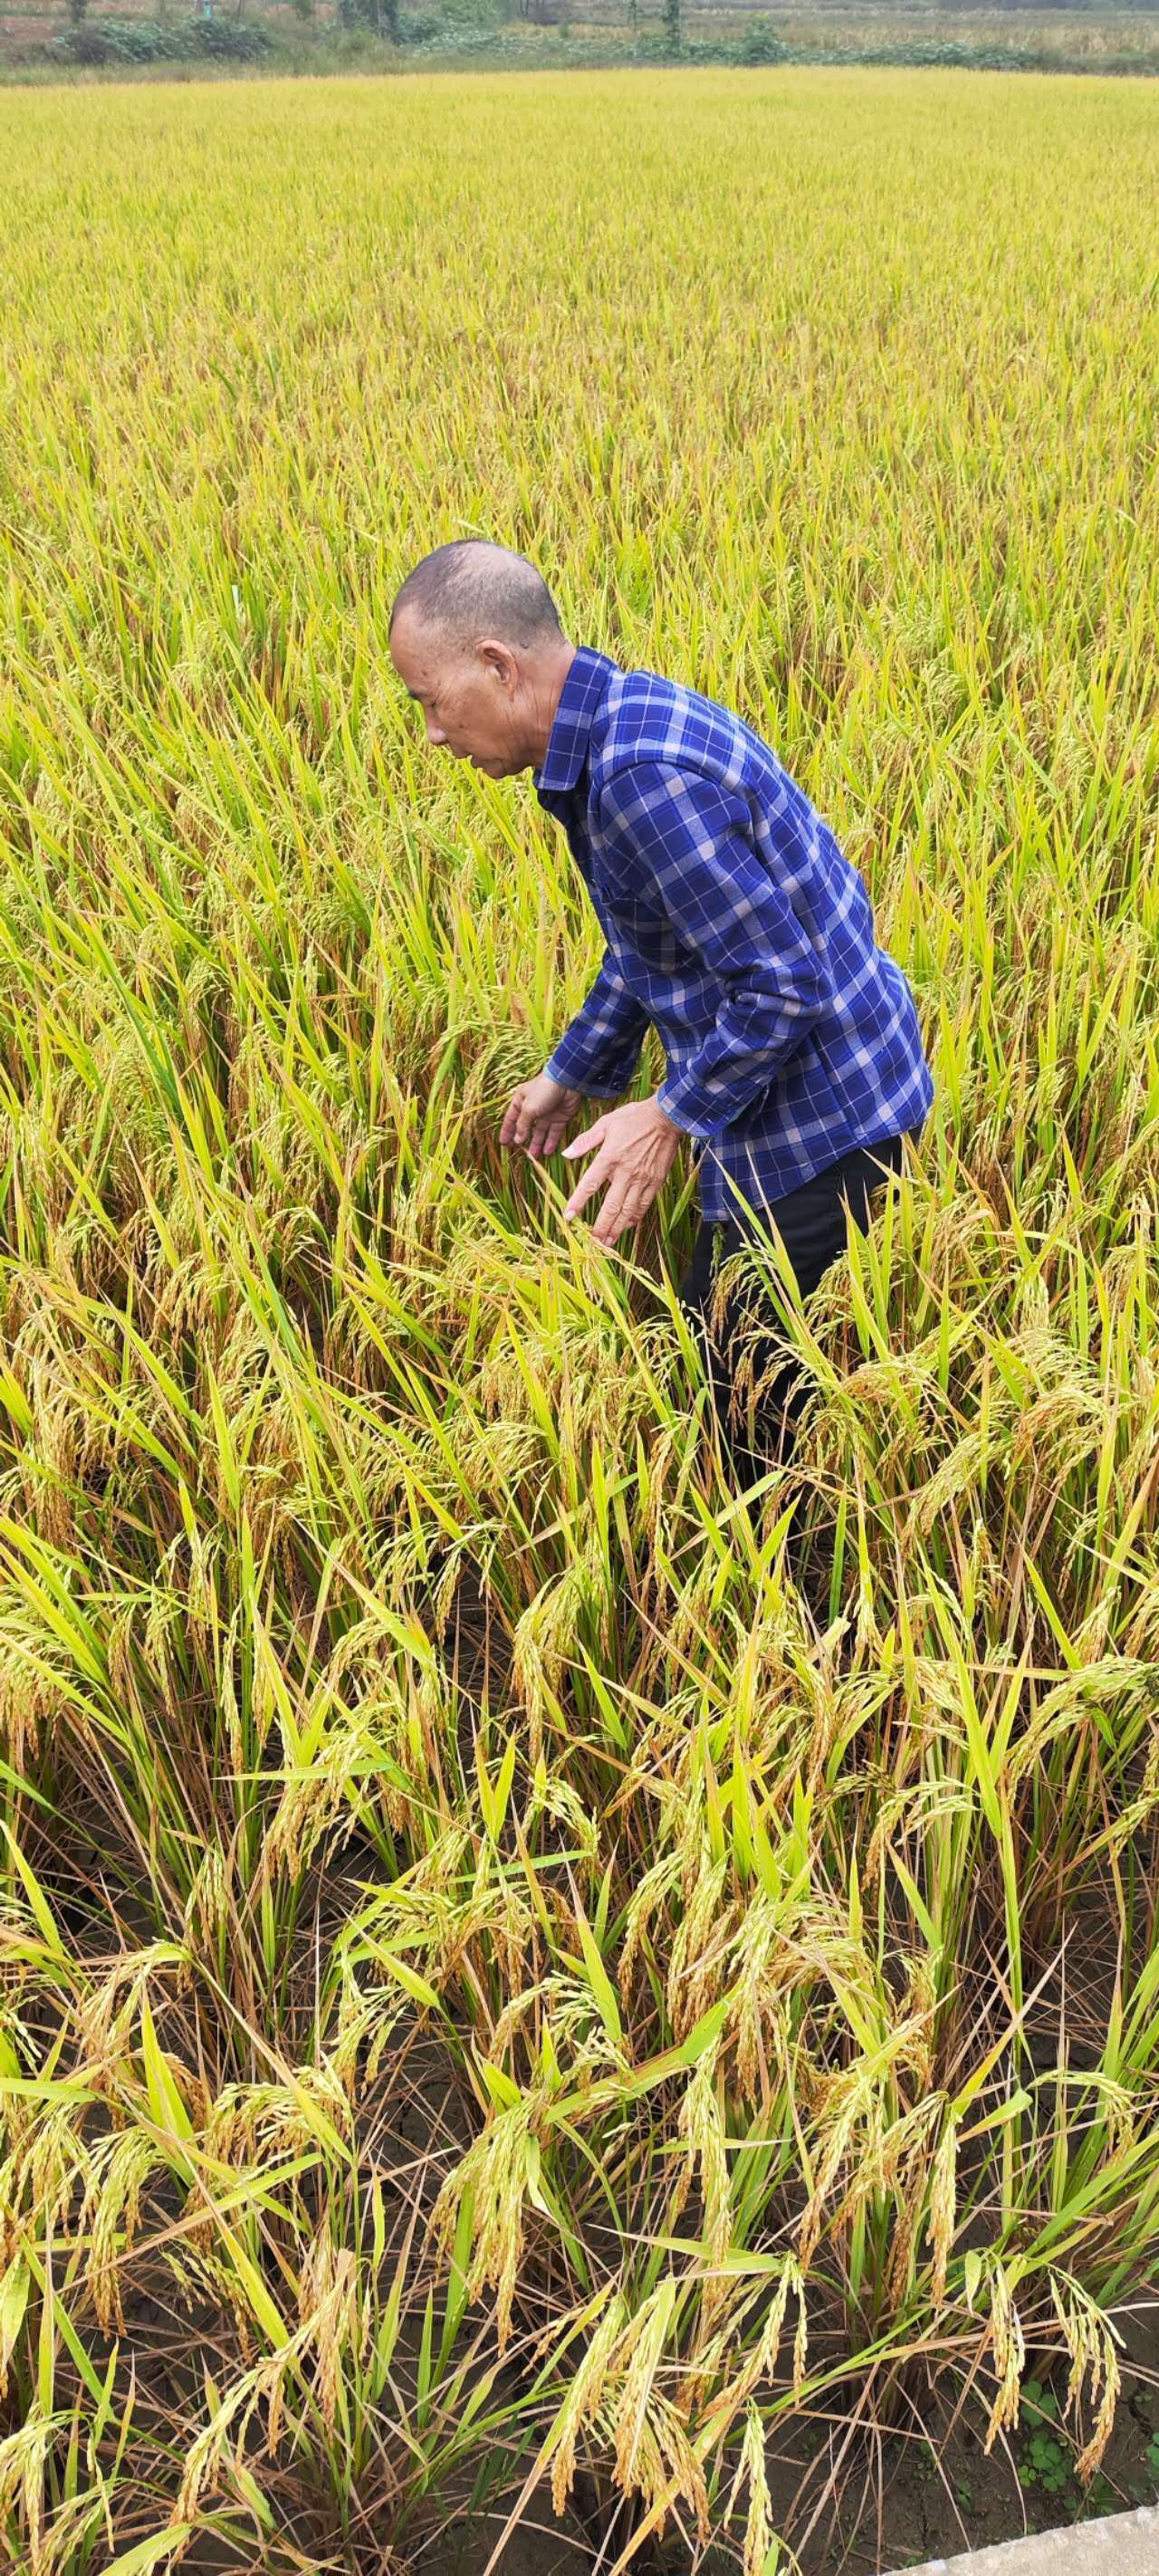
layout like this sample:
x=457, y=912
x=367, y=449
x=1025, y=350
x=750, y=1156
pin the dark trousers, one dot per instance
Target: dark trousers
x=814, y=1223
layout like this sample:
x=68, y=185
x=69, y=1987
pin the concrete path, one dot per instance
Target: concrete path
x=1125, y=2543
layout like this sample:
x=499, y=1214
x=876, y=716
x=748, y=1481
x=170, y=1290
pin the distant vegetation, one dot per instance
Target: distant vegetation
x=42, y=39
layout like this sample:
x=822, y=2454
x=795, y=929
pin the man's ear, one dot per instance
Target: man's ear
x=499, y=658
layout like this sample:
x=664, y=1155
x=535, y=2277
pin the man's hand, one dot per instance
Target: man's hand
x=636, y=1149
x=539, y=1115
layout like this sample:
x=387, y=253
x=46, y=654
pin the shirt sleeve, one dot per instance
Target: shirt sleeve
x=685, y=840
x=599, y=1049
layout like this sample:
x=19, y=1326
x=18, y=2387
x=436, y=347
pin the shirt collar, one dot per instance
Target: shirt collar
x=587, y=679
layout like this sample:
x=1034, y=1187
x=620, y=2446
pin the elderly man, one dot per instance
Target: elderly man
x=733, y=923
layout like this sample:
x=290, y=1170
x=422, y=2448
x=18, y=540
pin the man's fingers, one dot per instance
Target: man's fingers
x=537, y=1135
x=622, y=1208
x=584, y=1144
x=516, y=1122
x=592, y=1180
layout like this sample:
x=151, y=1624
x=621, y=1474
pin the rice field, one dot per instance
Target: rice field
x=525, y=1975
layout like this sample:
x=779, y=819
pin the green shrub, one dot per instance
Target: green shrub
x=761, y=43
x=143, y=40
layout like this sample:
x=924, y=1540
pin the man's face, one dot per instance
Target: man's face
x=470, y=697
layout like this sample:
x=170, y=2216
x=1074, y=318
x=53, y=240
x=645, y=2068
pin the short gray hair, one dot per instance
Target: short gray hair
x=471, y=588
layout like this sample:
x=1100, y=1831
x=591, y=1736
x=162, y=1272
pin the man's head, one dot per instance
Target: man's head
x=475, y=637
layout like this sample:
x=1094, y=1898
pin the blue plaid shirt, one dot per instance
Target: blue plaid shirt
x=736, y=927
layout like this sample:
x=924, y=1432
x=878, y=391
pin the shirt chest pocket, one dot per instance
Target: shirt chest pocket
x=647, y=948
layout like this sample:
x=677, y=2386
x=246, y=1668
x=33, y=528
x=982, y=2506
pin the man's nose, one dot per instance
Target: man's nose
x=435, y=733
